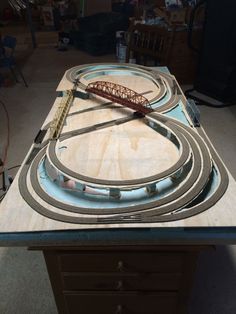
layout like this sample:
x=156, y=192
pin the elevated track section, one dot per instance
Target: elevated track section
x=121, y=95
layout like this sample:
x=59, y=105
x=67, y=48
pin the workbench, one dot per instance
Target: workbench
x=149, y=193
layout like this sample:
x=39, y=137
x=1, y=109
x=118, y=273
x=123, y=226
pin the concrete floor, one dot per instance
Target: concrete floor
x=24, y=284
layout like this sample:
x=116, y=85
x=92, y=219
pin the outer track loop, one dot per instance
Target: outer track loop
x=143, y=212
x=151, y=219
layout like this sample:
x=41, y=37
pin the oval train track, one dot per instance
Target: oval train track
x=196, y=165
x=151, y=211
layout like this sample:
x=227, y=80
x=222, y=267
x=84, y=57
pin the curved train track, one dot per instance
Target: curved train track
x=196, y=181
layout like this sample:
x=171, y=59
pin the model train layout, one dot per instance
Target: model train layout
x=138, y=158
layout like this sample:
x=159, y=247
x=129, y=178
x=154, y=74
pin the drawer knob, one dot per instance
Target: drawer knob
x=120, y=285
x=120, y=266
x=119, y=309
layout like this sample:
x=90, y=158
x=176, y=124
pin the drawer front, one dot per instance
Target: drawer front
x=162, y=303
x=121, y=282
x=121, y=262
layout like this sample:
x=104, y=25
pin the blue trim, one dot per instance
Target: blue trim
x=129, y=236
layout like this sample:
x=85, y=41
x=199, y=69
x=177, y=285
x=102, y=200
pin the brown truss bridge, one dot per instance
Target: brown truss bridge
x=121, y=95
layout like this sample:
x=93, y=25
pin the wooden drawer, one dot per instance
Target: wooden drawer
x=129, y=303
x=121, y=282
x=121, y=262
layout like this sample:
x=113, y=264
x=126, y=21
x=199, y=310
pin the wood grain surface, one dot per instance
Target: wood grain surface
x=126, y=151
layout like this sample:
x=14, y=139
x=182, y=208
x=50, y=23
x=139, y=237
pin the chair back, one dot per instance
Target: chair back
x=150, y=41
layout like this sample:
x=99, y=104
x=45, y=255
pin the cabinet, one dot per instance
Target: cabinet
x=122, y=280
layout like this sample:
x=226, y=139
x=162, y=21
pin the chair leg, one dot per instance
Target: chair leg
x=14, y=74
x=22, y=76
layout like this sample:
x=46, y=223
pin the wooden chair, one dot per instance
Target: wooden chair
x=150, y=41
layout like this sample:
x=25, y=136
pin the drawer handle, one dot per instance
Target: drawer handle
x=120, y=266
x=120, y=285
x=119, y=309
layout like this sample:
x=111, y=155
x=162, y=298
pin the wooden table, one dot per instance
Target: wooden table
x=117, y=267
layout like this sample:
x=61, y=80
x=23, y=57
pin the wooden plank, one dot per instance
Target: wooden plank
x=126, y=140
x=128, y=151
